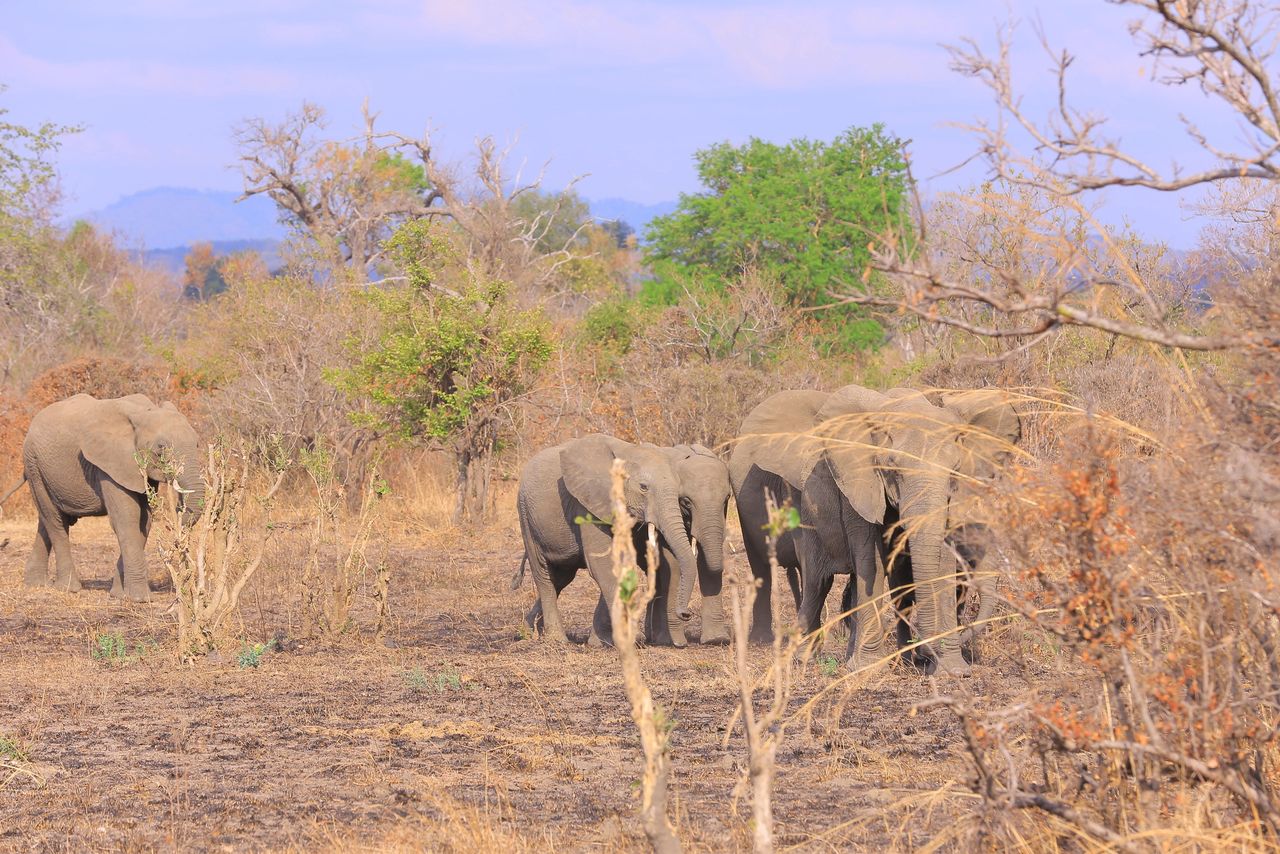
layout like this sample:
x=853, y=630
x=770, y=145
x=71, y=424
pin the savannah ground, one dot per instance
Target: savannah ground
x=456, y=732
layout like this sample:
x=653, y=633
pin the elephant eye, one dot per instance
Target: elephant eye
x=644, y=487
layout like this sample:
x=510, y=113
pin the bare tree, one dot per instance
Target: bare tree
x=1226, y=48
x=350, y=195
x=504, y=241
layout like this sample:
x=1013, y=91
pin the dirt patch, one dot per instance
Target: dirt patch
x=457, y=732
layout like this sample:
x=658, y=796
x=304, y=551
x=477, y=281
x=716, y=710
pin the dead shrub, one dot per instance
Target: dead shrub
x=212, y=560
x=336, y=558
x=15, y=417
x=103, y=377
x=1156, y=574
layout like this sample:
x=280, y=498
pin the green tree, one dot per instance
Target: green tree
x=450, y=352
x=802, y=213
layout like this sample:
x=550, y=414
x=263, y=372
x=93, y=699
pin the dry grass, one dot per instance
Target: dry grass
x=325, y=743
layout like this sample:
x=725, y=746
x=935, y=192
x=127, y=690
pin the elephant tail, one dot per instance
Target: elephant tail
x=519, y=576
x=10, y=493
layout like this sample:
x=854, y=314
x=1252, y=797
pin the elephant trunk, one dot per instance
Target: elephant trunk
x=708, y=529
x=670, y=522
x=191, y=487
x=924, y=514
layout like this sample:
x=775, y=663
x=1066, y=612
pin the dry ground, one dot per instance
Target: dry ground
x=456, y=733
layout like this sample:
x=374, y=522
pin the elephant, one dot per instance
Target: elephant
x=873, y=463
x=769, y=433
x=88, y=457
x=564, y=506
x=704, y=502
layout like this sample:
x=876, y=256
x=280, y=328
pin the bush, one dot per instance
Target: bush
x=104, y=377
x=612, y=325
x=448, y=352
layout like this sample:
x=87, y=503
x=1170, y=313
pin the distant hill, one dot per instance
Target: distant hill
x=180, y=216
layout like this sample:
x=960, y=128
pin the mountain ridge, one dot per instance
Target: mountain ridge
x=164, y=219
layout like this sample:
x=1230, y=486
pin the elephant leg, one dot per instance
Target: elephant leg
x=809, y=614
x=56, y=528
x=714, y=628
x=549, y=581
x=560, y=579
x=657, y=623
x=131, y=521
x=794, y=581
x=597, y=542
x=762, y=574
x=812, y=581
x=848, y=601
x=37, y=572
x=867, y=630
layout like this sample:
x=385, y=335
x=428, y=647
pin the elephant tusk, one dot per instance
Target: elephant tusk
x=653, y=535
x=179, y=489
x=693, y=544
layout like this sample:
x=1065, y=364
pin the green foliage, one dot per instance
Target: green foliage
x=803, y=214
x=250, y=656
x=401, y=173
x=444, y=680
x=443, y=357
x=27, y=173
x=628, y=584
x=586, y=274
x=612, y=324
x=12, y=751
x=782, y=519
x=828, y=665
x=112, y=648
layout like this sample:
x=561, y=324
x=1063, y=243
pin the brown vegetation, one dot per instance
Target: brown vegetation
x=350, y=669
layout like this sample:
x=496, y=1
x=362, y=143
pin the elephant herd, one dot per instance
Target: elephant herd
x=873, y=475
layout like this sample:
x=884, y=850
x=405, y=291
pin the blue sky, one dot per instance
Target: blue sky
x=623, y=90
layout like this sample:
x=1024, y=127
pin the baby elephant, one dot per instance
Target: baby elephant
x=89, y=457
x=564, y=507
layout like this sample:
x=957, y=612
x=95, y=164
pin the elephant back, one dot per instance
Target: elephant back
x=775, y=436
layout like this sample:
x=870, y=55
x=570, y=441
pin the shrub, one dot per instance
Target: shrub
x=449, y=352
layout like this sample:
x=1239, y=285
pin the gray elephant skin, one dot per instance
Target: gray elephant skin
x=866, y=464
x=704, y=502
x=85, y=457
x=564, y=507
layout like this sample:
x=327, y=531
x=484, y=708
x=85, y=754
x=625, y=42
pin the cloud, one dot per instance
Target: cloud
x=803, y=44
x=139, y=76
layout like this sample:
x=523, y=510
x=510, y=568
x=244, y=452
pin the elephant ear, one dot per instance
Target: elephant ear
x=996, y=427
x=110, y=444
x=585, y=465
x=778, y=435
x=855, y=435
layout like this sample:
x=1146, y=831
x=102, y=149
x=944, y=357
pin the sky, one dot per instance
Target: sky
x=622, y=92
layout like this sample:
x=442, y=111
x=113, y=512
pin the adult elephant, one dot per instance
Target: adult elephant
x=564, y=506
x=773, y=434
x=89, y=457
x=704, y=500
x=872, y=463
